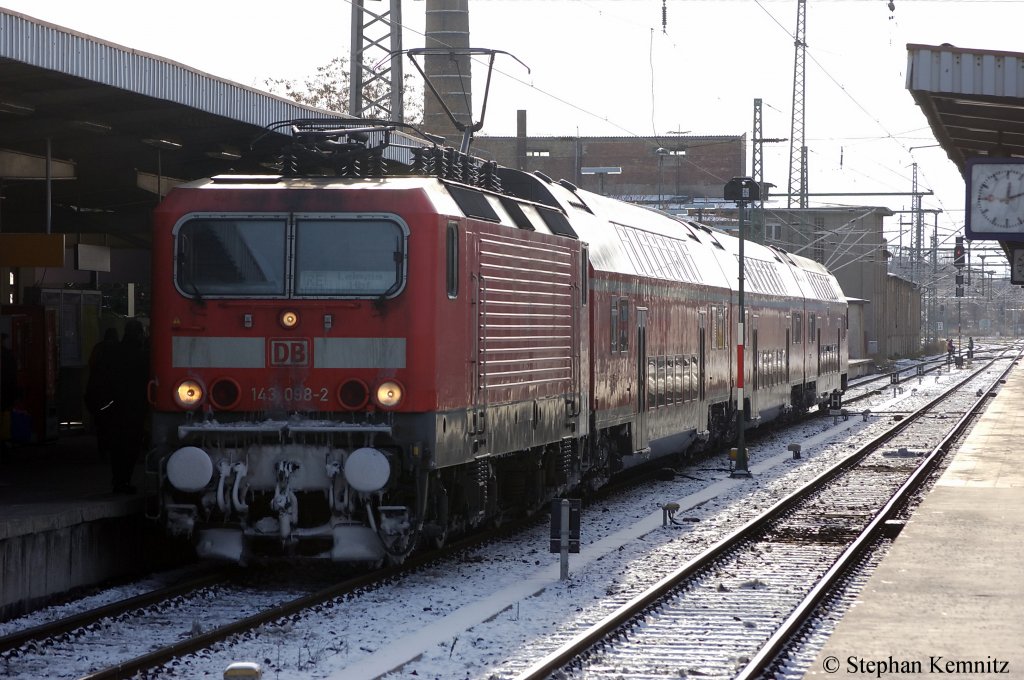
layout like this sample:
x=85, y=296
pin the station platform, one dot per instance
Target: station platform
x=61, y=526
x=948, y=598
x=861, y=367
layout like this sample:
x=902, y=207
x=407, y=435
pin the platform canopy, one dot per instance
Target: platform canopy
x=119, y=127
x=974, y=102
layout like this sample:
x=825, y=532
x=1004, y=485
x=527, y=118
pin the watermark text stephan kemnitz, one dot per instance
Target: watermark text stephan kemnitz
x=931, y=665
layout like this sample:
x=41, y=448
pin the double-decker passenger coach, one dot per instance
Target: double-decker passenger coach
x=358, y=356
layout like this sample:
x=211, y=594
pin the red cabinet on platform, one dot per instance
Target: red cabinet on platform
x=32, y=332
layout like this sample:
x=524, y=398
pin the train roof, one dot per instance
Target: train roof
x=623, y=238
x=633, y=240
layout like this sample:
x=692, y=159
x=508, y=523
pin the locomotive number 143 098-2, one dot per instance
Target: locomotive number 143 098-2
x=289, y=394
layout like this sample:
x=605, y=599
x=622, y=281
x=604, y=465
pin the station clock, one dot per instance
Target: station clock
x=995, y=197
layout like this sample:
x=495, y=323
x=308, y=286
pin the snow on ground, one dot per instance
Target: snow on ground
x=502, y=607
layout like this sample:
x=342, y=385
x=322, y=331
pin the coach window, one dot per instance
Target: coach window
x=613, y=324
x=452, y=260
x=223, y=256
x=624, y=325
x=798, y=328
x=718, y=337
x=812, y=327
x=680, y=382
x=677, y=379
x=349, y=257
x=662, y=382
x=652, y=382
x=584, y=274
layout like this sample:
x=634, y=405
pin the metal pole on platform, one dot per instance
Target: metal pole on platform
x=741, y=448
x=742, y=190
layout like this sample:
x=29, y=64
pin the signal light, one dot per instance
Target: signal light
x=959, y=252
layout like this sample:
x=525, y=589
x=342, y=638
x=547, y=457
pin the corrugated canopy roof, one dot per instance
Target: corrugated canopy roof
x=973, y=99
x=114, y=119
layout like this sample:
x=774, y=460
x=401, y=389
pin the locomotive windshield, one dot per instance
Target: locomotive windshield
x=281, y=256
x=345, y=257
x=219, y=256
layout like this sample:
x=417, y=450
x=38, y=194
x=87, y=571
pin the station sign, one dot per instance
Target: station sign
x=575, y=506
x=1017, y=265
x=31, y=250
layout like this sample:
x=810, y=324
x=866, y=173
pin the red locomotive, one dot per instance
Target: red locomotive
x=347, y=366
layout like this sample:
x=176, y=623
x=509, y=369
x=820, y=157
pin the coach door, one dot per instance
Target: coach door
x=642, y=395
x=788, y=346
x=818, y=345
x=755, y=356
x=701, y=361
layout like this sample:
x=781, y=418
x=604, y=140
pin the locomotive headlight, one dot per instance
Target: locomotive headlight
x=188, y=394
x=289, y=319
x=389, y=394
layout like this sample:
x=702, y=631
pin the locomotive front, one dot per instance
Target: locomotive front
x=282, y=329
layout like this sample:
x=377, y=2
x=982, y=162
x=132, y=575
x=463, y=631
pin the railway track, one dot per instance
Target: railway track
x=90, y=617
x=190, y=615
x=176, y=620
x=733, y=609
x=192, y=650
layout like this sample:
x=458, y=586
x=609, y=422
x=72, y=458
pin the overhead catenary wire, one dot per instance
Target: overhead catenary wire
x=606, y=12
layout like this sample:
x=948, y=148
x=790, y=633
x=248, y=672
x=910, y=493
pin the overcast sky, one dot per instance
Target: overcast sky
x=608, y=68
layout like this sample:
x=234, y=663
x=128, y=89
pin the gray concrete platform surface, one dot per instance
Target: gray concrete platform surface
x=61, y=527
x=948, y=598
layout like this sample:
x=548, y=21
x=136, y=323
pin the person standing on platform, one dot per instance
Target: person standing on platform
x=130, y=405
x=99, y=391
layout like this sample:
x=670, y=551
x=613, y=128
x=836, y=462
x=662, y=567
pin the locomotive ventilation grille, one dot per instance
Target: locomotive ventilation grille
x=526, y=317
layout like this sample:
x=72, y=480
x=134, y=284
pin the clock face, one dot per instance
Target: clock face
x=997, y=198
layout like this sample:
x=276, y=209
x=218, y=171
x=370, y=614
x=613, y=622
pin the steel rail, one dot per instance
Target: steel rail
x=846, y=561
x=127, y=669
x=621, y=617
x=69, y=623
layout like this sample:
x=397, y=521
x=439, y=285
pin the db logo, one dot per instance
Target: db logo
x=289, y=352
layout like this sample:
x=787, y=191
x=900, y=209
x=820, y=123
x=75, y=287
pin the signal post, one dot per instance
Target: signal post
x=742, y=190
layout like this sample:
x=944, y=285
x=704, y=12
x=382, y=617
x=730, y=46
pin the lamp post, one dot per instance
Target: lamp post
x=742, y=190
